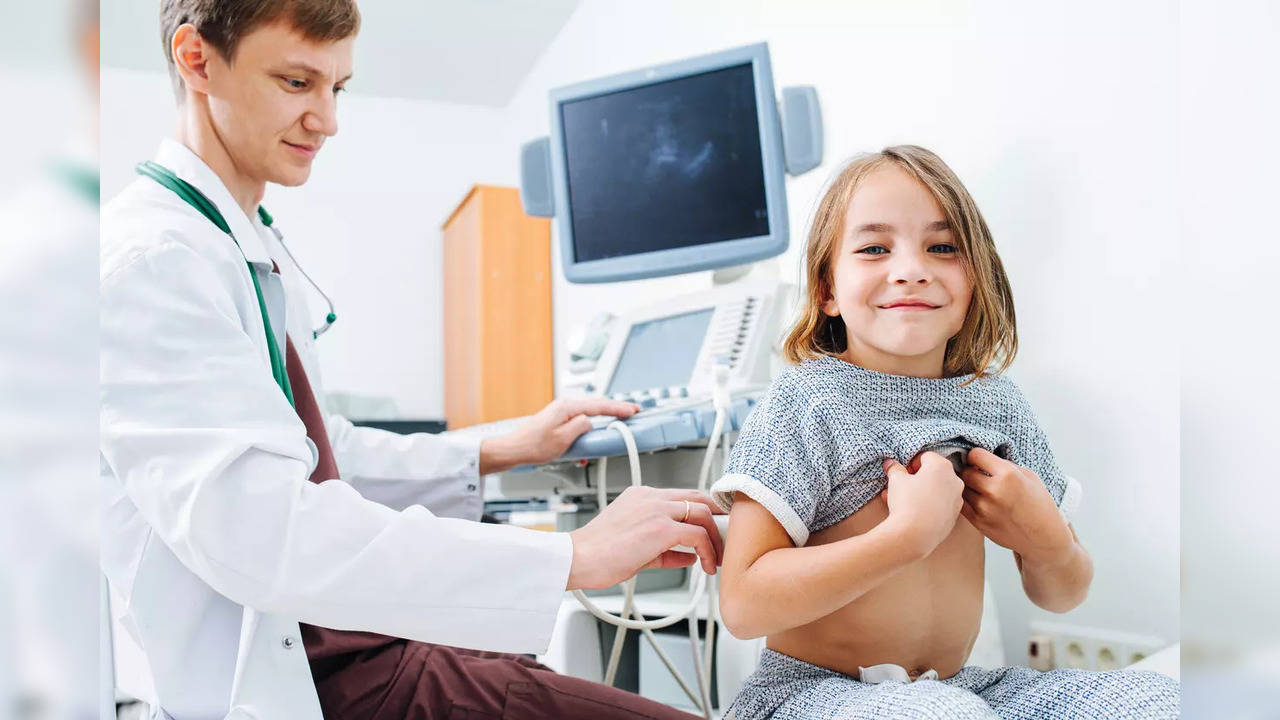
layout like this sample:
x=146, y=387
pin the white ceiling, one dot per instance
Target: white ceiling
x=471, y=52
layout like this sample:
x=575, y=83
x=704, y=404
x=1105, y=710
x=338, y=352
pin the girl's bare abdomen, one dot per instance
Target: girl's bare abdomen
x=924, y=617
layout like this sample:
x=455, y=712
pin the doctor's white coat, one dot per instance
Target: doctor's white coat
x=213, y=537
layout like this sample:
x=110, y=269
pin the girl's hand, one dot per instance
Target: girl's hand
x=924, y=503
x=1010, y=504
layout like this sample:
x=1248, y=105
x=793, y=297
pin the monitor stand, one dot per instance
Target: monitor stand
x=763, y=270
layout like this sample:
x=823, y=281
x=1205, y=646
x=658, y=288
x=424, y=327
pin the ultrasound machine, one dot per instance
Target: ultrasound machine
x=662, y=171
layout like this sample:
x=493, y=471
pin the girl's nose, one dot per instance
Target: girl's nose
x=909, y=269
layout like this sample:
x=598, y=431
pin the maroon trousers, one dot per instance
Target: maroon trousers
x=407, y=680
x=364, y=676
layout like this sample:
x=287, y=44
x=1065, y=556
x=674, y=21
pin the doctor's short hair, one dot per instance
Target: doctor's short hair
x=988, y=339
x=224, y=23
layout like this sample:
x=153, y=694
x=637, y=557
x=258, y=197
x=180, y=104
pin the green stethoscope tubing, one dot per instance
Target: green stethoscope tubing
x=197, y=200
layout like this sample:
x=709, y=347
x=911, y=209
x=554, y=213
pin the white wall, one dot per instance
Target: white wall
x=366, y=226
x=1059, y=118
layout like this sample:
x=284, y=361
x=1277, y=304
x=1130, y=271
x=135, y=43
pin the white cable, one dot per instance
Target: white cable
x=620, y=635
x=626, y=621
x=699, y=581
x=703, y=664
x=629, y=586
x=630, y=618
x=717, y=427
x=671, y=667
x=720, y=397
x=703, y=691
x=713, y=592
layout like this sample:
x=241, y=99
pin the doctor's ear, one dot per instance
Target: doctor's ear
x=191, y=55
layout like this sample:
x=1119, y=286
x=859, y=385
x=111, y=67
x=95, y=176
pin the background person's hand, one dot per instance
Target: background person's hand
x=638, y=530
x=924, y=503
x=1011, y=505
x=549, y=433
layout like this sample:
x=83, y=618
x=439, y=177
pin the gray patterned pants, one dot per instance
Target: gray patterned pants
x=784, y=688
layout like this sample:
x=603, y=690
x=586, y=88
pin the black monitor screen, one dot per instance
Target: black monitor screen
x=664, y=166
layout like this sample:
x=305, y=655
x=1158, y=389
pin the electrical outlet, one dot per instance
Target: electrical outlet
x=1075, y=655
x=1088, y=648
x=1040, y=652
x=1106, y=659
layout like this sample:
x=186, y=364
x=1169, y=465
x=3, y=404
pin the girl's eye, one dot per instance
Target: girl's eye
x=337, y=89
x=295, y=83
x=943, y=249
x=874, y=250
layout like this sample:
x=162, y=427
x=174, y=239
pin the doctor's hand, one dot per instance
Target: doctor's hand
x=638, y=530
x=549, y=433
x=1011, y=505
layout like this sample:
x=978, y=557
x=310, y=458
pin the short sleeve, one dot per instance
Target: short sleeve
x=1032, y=450
x=781, y=460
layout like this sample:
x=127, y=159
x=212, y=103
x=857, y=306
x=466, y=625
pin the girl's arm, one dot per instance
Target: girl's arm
x=1057, y=584
x=767, y=585
x=1011, y=505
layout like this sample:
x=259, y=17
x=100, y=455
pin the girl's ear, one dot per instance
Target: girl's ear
x=829, y=307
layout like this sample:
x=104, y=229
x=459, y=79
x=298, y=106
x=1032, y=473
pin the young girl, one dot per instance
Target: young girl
x=866, y=576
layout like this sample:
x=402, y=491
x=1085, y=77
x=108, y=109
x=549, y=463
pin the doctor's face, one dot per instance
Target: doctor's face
x=274, y=105
x=899, y=282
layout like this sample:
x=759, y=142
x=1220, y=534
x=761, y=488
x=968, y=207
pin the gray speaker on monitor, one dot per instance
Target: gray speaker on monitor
x=536, y=194
x=801, y=128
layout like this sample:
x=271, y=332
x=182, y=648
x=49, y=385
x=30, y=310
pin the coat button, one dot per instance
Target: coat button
x=287, y=642
x=471, y=487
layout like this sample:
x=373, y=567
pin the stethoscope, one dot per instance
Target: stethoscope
x=201, y=202
x=196, y=199
x=331, y=317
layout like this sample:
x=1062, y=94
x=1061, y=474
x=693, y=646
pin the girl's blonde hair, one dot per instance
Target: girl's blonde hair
x=988, y=340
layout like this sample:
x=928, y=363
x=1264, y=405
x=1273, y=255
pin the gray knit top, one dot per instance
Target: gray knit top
x=811, y=451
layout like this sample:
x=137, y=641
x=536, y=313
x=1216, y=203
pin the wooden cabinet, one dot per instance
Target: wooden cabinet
x=497, y=309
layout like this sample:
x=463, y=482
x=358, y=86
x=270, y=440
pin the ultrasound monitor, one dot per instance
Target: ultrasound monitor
x=660, y=353
x=669, y=169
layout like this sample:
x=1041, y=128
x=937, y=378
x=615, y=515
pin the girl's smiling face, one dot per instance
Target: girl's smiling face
x=898, y=280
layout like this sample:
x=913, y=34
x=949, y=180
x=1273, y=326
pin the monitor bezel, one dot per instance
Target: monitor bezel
x=668, y=315
x=677, y=261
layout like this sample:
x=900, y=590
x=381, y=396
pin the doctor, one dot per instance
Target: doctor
x=271, y=562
